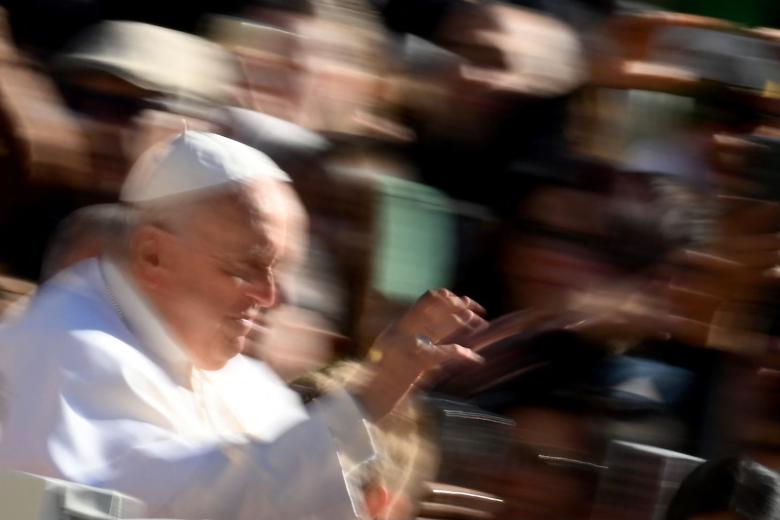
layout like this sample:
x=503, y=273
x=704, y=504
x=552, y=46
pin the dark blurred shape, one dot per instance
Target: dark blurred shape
x=47, y=25
x=420, y=18
x=423, y=17
x=640, y=481
x=467, y=433
x=522, y=369
x=735, y=485
x=762, y=167
x=525, y=433
x=750, y=13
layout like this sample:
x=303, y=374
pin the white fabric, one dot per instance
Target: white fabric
x=194, y=162
x=96, y=391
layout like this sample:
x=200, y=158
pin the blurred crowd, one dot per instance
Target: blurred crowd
x=603, y=177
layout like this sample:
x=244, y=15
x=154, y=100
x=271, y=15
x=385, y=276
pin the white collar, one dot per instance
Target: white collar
x=144, y=322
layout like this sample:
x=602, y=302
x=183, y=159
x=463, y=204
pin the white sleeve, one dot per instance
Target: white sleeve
x=298, y=476
x=75, y=416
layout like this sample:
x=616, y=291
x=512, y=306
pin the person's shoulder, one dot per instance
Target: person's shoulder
x=70, y=320
x=73, y=299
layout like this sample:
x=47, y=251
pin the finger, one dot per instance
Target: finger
x=451, y=318
x=474, y=306
x=431, y=298
x=521, y=322
x=465, y=316
x=465, y=328
x=453, y=351
x=461, y=301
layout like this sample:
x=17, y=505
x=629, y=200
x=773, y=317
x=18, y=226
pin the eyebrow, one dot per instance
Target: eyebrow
x=256, y=256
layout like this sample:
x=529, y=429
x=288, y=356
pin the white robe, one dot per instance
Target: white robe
x=86, y=399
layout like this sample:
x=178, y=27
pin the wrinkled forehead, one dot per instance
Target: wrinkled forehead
x=253, y=222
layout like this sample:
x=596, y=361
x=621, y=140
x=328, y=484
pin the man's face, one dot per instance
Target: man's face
x=511, y=51
x=220, y=274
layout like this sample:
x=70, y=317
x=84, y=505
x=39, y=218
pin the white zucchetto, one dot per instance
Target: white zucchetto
x=192, y=163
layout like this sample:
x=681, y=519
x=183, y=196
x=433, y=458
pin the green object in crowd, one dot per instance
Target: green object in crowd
x=753, y=13
x=416, y=239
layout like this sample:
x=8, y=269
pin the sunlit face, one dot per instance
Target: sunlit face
x=219, y=274
x=510, y=51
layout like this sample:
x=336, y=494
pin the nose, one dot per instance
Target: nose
x=263, y=290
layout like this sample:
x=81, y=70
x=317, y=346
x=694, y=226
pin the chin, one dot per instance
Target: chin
x=221, y=358
x=214, y=364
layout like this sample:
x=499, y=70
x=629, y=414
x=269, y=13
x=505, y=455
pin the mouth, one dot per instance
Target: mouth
x=250, y=324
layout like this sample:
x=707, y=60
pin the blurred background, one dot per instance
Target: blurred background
x=604, y=176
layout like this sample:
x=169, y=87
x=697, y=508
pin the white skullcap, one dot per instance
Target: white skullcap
x=195, y=162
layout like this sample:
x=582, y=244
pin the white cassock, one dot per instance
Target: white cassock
x=96, y=391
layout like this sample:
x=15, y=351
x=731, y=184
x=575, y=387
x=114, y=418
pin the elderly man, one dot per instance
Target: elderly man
x=126, y=373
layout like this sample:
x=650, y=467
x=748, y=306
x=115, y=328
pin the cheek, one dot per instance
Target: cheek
x=220, y=295
x=202, y=292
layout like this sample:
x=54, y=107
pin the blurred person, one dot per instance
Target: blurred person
x=561, y=237
x=491, y=98
x=318, y=64
x=723, y=489
x=687, y=154
x=85, y=233
x=145, y=390
x=559, y=248
x=75, y=143
x=479, y=97
x=116, y=77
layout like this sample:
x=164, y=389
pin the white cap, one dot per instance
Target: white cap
x=195, y=162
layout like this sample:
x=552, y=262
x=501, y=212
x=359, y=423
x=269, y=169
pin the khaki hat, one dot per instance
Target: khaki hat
x=153, y=58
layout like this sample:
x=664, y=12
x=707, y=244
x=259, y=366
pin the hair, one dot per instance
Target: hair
x=731, y=484
x=100, y=226
x=408, y=456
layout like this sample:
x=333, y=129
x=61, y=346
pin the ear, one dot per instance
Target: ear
x=151, y=256
x=377, y=500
